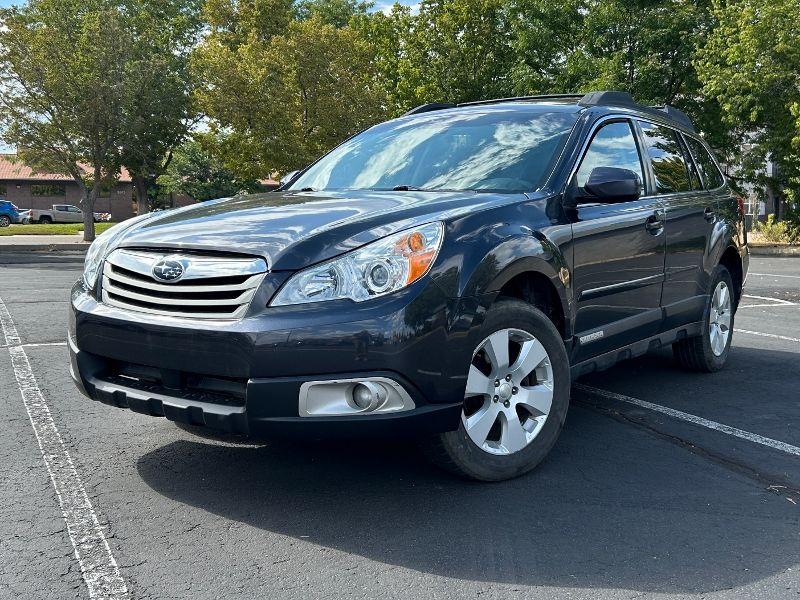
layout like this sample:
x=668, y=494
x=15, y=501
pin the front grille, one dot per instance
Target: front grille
x=211, y=287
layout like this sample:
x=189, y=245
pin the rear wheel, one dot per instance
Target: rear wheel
x=516, y=397
x=708, y=351
x=45, y=220
x=5, y=221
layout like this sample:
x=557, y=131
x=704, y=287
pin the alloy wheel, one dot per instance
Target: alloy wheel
x=509, y=392
x=719, y=328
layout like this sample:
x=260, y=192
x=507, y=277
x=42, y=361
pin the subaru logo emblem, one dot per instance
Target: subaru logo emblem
x=168, y=269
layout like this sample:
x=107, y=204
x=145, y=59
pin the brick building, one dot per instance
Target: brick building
x=29, y=189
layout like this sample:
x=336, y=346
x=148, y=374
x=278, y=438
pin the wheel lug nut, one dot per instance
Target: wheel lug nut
x=496, y=398
x=514, y=390
x=506, y=403
x=496, y=383
x=508, y=377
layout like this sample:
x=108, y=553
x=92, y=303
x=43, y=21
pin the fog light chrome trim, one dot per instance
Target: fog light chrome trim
x=334, y=397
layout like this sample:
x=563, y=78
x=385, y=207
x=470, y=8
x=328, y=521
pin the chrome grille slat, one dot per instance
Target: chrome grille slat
x=128, y=283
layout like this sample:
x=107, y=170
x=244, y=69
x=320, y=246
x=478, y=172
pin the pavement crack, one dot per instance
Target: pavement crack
x=771, y=483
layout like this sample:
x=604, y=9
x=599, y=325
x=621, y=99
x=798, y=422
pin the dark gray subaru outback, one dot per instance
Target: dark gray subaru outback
x=442, y=275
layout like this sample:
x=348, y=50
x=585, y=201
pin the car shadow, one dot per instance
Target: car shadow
x=611, y=507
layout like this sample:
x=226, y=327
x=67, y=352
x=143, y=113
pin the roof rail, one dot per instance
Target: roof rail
x=423, y=108
x=624, y=99
x=676, y=115
x=520, y=98
x=607, y=97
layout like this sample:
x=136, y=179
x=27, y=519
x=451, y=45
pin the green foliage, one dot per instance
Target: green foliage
x=338, y=13
x=159, y=112
x=279, y=98
x=51, y=229
x=196, y=172
x=780, y=232
x=751, y=66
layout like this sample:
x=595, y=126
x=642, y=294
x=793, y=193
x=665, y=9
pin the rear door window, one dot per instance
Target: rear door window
x=708, y=168
x=667, y=157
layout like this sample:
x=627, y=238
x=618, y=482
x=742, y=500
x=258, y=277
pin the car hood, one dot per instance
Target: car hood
x=292, y=230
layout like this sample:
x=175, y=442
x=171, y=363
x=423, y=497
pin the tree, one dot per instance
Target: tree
x=159, y=112
x=457, y=51
x=279, y=97
x=63, y=67
x=196, y=172
x=338, y=13
x=751, y=65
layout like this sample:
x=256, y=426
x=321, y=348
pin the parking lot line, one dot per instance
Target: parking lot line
x=36, y=345
x=98, y=567
x=775, y=300
x=768, y=335
x=677, y=414
x=774, y=275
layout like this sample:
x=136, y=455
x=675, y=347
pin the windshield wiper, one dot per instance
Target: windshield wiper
x=408, y=188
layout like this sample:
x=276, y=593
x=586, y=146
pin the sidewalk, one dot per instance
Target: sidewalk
x=32, y=243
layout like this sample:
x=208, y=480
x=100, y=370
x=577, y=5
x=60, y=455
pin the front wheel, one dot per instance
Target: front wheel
x=516, y=397
x=5, y=221
x=709, y=351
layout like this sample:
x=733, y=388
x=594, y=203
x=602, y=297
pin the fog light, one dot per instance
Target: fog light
x=368, y=396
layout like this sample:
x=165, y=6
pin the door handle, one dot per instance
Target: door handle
x=708, y=214
x=654, y=223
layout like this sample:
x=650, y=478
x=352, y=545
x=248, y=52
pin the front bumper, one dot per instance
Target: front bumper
x=412, y=339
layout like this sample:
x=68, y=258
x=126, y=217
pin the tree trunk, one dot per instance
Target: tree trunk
x=87, y=205
x=142, y=201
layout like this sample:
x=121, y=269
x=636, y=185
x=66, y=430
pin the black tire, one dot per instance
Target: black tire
x=456, y=452
x=5, y=221
x=45, y=220
x=696, y=353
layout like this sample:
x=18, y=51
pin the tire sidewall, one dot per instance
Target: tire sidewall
x=480, y=464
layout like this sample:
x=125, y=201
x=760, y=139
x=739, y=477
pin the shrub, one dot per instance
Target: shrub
x=781, y=232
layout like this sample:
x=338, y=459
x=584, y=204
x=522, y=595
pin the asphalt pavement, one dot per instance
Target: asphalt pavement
x=664, y=484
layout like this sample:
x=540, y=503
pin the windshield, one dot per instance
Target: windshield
x=494, y=150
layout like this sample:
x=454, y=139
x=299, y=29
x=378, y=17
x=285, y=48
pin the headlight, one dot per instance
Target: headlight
x=377, y=269
x=101, y=246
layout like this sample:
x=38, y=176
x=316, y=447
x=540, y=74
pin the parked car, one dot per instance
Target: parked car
x=102, y=217
x=443, y=275
x=60, y=213
x=9, y=213
x=25, y=216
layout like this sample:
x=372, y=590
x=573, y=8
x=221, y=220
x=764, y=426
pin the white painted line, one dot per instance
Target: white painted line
x=790, y=305
x=36, y=345
x=98, y=567
x=775, y=300
x=677, y=414
x=768, y=335
x=774, y=275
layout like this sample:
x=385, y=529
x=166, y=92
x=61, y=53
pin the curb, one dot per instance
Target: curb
x=75, y=247
x=775, y=250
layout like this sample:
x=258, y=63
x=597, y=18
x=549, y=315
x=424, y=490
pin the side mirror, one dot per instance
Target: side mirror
x=610, y=184
x=287, y=179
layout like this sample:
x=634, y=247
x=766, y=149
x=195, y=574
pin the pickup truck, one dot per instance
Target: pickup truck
x=63, y=213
